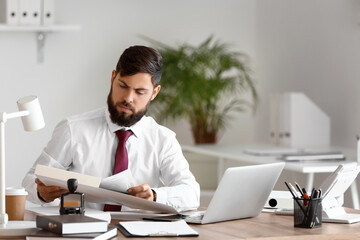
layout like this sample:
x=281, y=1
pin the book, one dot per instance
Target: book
x=32, y=212
x=44, y=234
x=71, y=224
x=156, y=229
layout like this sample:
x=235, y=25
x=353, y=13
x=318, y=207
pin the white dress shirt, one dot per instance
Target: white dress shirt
x=87, y=143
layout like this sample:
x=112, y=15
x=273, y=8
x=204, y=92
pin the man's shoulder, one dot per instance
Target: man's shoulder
x=155, y=127
x=87, y=116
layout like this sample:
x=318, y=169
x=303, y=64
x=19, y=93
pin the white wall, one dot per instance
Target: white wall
x=75, y=76
x=312, y=47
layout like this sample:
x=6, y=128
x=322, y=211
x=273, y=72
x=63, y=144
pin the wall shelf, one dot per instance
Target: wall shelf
x=41, y=32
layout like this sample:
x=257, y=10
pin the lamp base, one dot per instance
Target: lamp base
x=17, y=228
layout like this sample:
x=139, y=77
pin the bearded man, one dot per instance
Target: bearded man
x=89, y=143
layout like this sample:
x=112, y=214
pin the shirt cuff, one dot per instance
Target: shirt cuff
x=161, y=196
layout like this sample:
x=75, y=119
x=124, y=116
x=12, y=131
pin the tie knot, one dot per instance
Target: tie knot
x=123, y=135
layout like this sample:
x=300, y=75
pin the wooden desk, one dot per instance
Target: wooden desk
x=267, y=226
x=235, y=152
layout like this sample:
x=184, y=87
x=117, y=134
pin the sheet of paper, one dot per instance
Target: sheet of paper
x=137, y=215
x=51, y=176
x=100, y=195
x=147, y=228
x=120, y=182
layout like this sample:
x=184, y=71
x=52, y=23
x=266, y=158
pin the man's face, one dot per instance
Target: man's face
x=130, y=97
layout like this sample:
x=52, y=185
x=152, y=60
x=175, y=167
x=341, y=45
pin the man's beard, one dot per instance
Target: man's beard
x=120, y=118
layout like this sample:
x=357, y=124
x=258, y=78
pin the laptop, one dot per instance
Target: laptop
x=241, y=193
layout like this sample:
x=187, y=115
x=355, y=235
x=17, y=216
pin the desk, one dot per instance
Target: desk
x=235, y=152
x=270, y=227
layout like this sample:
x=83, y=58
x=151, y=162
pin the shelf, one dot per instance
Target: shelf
x=41, y=32
x=42, y=28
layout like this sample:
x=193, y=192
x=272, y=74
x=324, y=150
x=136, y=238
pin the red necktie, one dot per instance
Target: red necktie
x=121, y=161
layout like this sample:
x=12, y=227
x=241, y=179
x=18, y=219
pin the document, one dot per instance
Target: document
x=151, y=229
x=94, y=191
x=120, y=182
x=58, y=177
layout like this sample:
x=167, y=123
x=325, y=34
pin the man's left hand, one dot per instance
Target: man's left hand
x=142, y=191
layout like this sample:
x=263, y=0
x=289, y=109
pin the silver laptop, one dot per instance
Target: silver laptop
x=241, y=193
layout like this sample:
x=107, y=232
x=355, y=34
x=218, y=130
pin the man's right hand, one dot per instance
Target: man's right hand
x=49, y=193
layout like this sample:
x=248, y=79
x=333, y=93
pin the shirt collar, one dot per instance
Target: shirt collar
x=113, y=127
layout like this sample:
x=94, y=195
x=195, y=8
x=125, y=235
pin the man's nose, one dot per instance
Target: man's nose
x=129, y=97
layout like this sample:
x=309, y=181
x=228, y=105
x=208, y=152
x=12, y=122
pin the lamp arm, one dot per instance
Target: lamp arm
x=5, y=116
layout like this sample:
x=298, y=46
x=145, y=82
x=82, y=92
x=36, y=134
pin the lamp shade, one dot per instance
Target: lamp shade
x=34, y=120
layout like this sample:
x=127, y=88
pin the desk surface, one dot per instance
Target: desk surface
x=235, y=152
x=268, y=226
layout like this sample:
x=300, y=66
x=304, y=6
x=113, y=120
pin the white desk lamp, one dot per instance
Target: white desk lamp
x=32, y=119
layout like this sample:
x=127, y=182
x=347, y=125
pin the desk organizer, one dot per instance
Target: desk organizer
x=307, y=212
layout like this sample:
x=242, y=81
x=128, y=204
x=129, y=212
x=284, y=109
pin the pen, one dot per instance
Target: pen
x=312, y=209
x=305, y=196
x=294, y=190
x=299, y=188
x=296, y=199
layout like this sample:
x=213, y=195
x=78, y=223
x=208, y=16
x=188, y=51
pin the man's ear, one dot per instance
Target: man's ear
x=155, y=92
x=113, y=75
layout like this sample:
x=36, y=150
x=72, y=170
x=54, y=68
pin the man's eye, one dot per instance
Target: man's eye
x=140, y=92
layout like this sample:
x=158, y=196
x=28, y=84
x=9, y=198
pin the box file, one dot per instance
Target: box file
x=295, y=121
x=9, y=12
x=35, y=12
x=47, y=16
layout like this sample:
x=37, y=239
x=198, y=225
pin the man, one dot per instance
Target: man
x=87, y=143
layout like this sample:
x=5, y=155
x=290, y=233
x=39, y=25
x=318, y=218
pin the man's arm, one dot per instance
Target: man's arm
x=181, y=190
x=59, y=146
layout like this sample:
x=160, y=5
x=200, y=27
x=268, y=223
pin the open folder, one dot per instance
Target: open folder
x=96, y=193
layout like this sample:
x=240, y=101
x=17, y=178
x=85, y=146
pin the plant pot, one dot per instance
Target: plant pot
x=202, y=137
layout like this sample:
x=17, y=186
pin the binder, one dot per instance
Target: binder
x=298, y=121
x=24, y=12
x=35, y=12
x=9, y=12
x=286, y=123
x=47, y=16
x=274, y=112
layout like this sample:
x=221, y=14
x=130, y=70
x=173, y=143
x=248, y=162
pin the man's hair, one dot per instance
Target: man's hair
x=141, y=59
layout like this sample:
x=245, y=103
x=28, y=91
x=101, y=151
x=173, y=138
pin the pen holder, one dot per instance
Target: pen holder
x=307, y=212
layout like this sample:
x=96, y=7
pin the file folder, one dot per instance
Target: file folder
x=24, y=12
x=47, y=16
x=35, y=12
x=9, y=12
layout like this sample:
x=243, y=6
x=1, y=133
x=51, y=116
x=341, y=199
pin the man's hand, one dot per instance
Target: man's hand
x=48, y=193
x=142, y=191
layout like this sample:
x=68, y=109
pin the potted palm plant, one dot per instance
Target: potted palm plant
x=203, y=84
